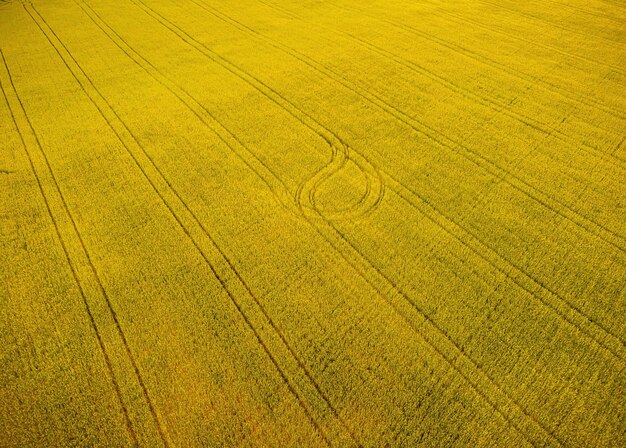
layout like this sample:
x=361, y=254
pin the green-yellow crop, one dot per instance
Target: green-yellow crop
x=324, y=223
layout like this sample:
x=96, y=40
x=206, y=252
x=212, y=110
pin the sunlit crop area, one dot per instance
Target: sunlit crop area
x=288, y=223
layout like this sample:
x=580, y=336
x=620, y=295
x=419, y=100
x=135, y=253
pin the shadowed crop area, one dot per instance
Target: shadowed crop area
x=331, y=223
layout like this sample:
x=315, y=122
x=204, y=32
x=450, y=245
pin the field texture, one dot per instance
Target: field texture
x=288, y=223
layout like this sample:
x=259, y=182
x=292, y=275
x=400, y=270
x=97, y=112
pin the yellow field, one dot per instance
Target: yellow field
x=291, y=223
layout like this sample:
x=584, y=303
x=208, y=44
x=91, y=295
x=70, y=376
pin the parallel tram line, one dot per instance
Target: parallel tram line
x=112, y=311
x=75, y=276
x=127, y=138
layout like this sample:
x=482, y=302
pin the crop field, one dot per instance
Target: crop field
x=283, y=223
